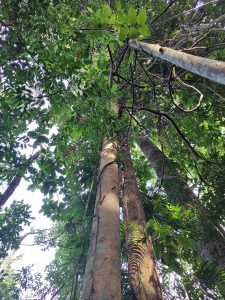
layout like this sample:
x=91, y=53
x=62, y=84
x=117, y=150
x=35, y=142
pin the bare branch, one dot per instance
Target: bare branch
x=162, y=13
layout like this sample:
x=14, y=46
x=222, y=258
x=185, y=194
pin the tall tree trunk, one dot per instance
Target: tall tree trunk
x=141, y=263
x=172, y=181
x=102, y=275
x=205, y=67
x=176, y=188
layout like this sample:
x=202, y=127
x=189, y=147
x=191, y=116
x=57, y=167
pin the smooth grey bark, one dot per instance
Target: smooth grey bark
x=205, y=67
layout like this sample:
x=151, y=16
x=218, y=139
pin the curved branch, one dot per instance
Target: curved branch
x=176, y=127
x=187, y=85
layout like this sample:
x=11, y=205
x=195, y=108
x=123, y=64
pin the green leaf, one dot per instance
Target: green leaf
x=133, y=32
x=144, y=30
x=131, y=57
x=123, y=33
x=131, y=17
x=118, y=6
x=103, y=19
x=142, y=17
x=90, y=9
x=112, y=20
x=122, y=18
x=114, y=87
x=106, y=11
x=150, y=223
x=184, y=241
x=42, y=139
x=32, y=134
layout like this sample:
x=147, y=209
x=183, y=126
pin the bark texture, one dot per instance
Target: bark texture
x=212, y=249
x=141, y=263
x=205, y=67
x=102, y=275
x=172, y=181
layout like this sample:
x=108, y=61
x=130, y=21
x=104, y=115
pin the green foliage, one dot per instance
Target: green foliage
x=211, y=276
x=12, y=219
x=8, y=290
x=55, y=74
x=131, y=25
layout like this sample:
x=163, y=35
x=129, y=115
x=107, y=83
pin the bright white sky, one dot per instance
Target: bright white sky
x=32, y=254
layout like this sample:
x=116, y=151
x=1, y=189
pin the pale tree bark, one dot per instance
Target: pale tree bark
x=205, y=67
x=177, y=189
x=7, y=262
x=141, y=262
x=102, y=278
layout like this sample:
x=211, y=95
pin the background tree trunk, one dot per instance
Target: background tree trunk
x=211, y=248
x=141, y=263
x=172, y=181
x=102, y=275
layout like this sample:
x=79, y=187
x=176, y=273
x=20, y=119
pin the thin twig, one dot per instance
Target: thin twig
x=180, y=133
x=145, y=71
x=128, y=81
x=162, y=13
x=187, y=85
x=121, y=58
x=138, y=123
x=112, y=67
x=192, y=9
x=90, y=190
x=162, y=149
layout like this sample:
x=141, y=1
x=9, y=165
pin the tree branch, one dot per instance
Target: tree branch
x=180, y=133
x=162, y=13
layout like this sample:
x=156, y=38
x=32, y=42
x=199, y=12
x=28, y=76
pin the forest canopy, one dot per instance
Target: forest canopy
x=114, y=110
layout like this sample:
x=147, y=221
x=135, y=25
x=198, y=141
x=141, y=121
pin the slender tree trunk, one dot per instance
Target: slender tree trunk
x=141, y=263
x=205, y=67
x=172, y=181
x=102, y=275
x=176, y=188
